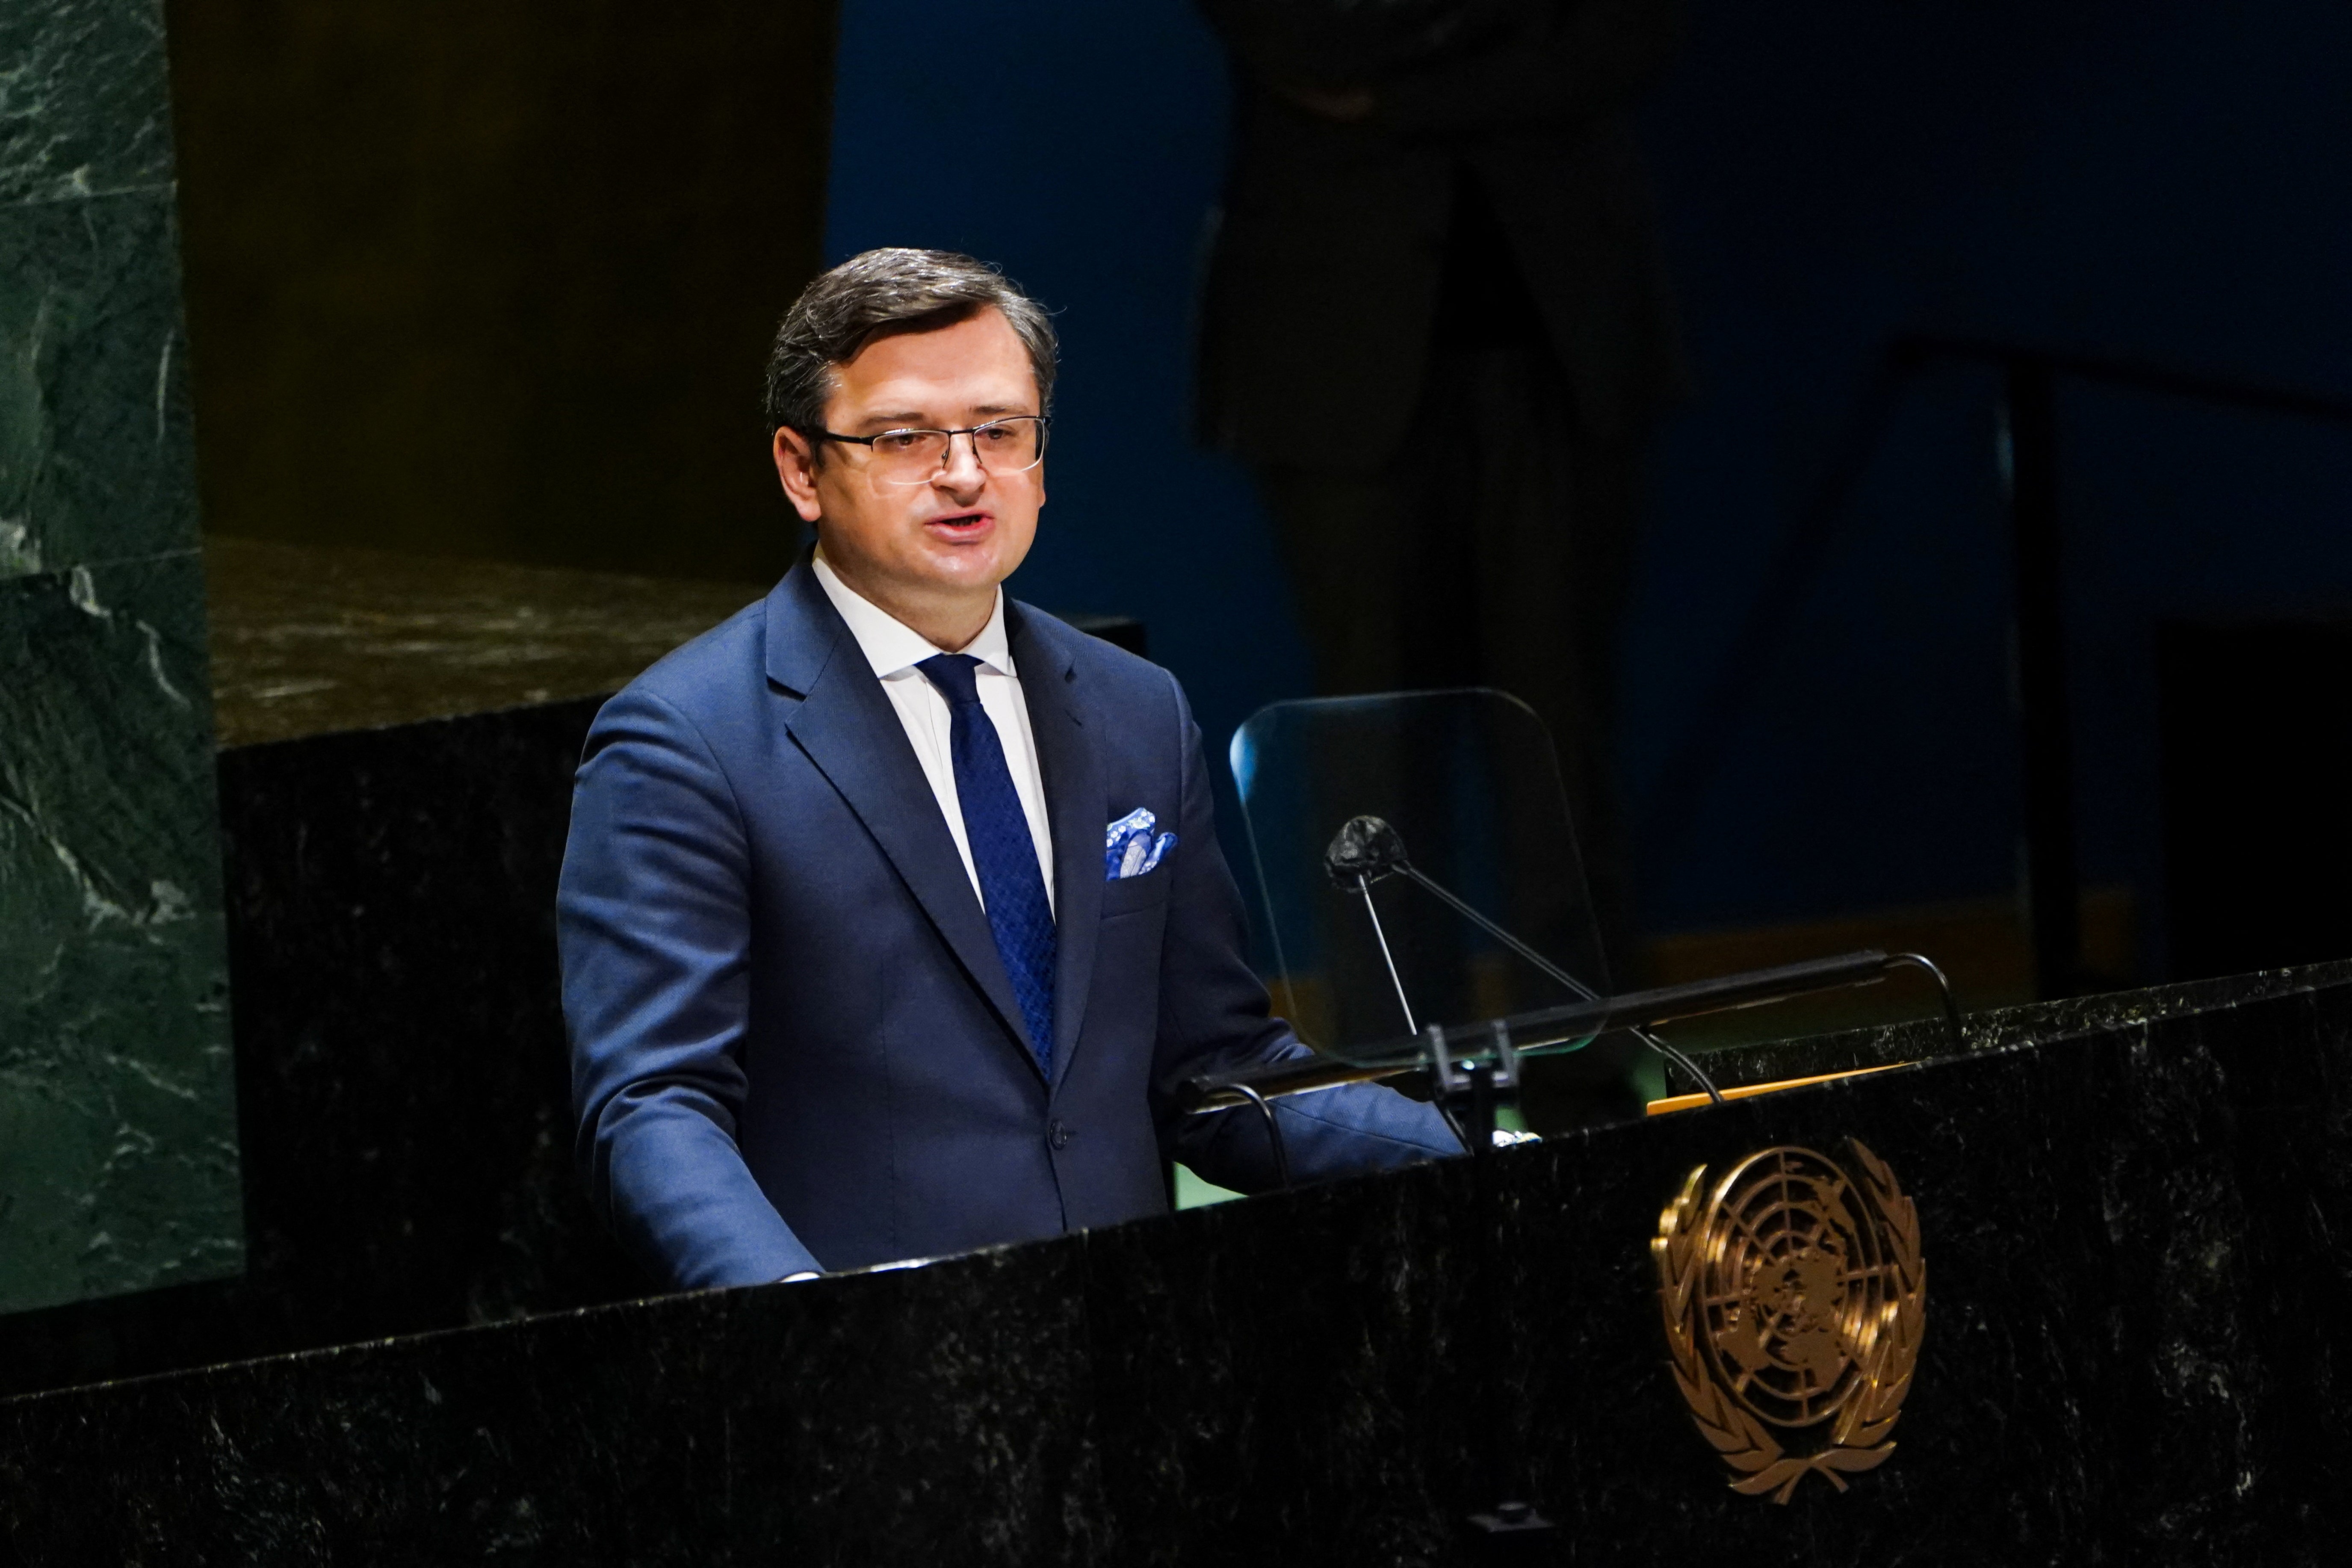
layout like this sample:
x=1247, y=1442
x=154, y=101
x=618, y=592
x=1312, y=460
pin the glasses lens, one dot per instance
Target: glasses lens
x=909, y=457
x=1003, y=447
x=1008, y=445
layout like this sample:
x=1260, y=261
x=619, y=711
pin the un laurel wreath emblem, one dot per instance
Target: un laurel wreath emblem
x=1794, y=1297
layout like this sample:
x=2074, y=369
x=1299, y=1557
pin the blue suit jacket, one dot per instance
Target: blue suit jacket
x=793, y=1043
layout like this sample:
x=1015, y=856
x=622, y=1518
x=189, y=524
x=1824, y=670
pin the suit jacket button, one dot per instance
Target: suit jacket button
x=1058, y=1135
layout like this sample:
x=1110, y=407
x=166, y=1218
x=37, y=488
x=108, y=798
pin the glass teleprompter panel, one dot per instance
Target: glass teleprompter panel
x=1469, y=787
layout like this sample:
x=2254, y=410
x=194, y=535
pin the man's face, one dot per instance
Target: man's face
x=955, y=537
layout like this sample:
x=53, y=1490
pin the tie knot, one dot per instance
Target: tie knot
x=952, y=674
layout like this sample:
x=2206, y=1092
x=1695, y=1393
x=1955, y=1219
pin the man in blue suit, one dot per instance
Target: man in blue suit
x=893, y=914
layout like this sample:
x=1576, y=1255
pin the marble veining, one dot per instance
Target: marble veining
x=2139, y=1286
x=118, y=1128
x=404, y=1095
x=118, y=1163
x=310, y=640
x=96, y=460
x=84, y=107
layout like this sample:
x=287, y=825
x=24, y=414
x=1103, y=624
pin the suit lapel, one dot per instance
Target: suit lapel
x=845, y=724
x=1073, y=811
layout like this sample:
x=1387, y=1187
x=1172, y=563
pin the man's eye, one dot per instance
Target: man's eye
x=897, y=440
x=996, y=434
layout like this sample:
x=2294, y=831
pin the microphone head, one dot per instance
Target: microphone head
x=1363, y=851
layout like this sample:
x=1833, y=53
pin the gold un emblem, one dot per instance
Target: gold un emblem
x=1794, y=1300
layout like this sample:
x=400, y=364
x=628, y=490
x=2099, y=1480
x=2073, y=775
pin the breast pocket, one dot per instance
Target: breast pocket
x=1125, y=895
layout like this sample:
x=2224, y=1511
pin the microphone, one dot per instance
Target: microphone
x=1365, y=849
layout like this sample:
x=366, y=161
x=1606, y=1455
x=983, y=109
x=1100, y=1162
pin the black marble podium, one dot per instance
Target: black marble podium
x=2135, y=1213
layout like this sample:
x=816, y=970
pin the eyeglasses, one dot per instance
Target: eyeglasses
x=1008, y=445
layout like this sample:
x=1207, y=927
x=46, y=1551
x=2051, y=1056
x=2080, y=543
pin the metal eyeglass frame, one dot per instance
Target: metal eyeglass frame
x=1042, y=422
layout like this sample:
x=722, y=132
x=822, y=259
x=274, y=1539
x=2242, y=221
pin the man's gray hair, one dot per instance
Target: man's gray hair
x=886, y=291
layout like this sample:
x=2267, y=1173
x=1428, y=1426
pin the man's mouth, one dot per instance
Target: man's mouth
x=960, y=525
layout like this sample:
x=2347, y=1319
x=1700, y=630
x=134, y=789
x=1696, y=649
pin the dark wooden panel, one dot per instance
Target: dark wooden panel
x=497, y=281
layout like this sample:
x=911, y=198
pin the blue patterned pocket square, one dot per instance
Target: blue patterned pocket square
x=1128, y=848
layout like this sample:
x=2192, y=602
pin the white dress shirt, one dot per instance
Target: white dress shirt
x=894, y=650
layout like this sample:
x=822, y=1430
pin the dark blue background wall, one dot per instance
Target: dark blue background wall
x=1081, y=147
x=2163, y=180
x=2167, y=182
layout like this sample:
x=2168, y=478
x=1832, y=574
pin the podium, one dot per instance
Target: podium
x=2133, y=1212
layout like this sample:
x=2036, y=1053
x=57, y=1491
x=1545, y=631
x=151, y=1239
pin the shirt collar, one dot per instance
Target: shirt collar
x=892, y=647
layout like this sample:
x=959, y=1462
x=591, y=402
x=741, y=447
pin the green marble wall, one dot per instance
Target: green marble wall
x=118, y=1129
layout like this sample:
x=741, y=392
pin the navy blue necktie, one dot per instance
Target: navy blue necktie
x=1002, y=853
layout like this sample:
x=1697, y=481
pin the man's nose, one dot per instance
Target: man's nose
x=960, y=469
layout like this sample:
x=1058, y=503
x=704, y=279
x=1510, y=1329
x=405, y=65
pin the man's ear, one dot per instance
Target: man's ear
x=796, y=467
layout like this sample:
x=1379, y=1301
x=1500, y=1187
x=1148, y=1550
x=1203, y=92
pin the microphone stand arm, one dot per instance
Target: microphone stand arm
x=1407, y=870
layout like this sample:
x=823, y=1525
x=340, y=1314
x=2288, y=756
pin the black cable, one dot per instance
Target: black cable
x=1273, y=1133
x=1714, y=1095
x=1460, y=1137
x=1943, y=989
